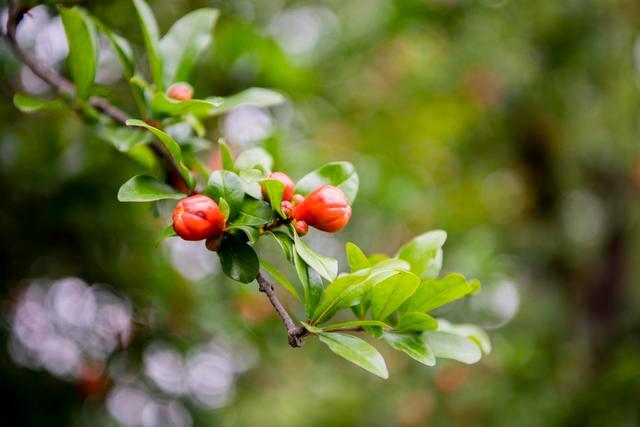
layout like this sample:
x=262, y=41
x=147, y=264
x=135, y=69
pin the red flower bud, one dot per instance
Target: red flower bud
x=286, y=207
x=180, y=91
x=326, y=209
x=301, y=227
x=289, y=185
x=197, y=218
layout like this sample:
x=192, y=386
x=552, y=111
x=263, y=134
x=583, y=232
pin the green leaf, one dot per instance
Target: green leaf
x=274, y=190
x=144, y=188
x=239, y=261
x=416, y=321
x=452, y=346
x=29, y=104
x=121, y=47
x=388, y=295
x=257, y=97
x=124, y=139
x=151, y=36
x=226, y=185
x=172, y=146
x=250, y=232
x=434, y=293
x=83, y=48
x=227, y=156
x=413, y=345
x=253, y=158
x=285, y=242
x=224, y=208
x=325, y=266
x=280, y=278
x=311, y=284
x=181, y=47
x=422, y=253
x=356, y=258
x=253, y=212
x=473, y=332
x=354, y=323
x=339, y=174
x=356, y=351
x=161, y=103
x=166, y=233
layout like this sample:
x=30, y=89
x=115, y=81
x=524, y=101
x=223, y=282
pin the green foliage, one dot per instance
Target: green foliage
x=29, y=104
x=83, y=48
x=339, y=174
x=151, y=36
x=356, y=351
x=144, y=188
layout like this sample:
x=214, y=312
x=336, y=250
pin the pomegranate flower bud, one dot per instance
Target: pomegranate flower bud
x=326, y=209
x=288, y=185
x=180, y=91
x=301, y=227
x=197, y=218
x=286, y=207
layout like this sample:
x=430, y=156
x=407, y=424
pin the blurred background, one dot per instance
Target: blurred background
x=513, y=125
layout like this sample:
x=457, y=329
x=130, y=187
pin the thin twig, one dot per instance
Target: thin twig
x=66, y=88
x=295, y=333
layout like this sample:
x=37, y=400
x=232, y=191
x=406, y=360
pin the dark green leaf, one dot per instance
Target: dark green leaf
x=339, y=174
x=356, y=258
x=253, y=212
x=144, y=188
x=280, y=278
x=413, y=345
x=416, y=321
x=325, y=266
x=257, y=97
x=356, y=351
x=151, y=40
x=422, y=253
x=250, y=232
x=83, y=48
x=166, y=233
x=239, y=261
x=452, y=346
x=355, y=323
x=227, y=185
x=434, y=293
x=29, y=104
x=181, y=47
x=124, y=139
x=389, y=294
x=274, y=190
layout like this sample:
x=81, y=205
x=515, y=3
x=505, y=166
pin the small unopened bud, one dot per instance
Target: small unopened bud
x=213, y=244
x=301, y=227
x=180, y=91
x=286, y=208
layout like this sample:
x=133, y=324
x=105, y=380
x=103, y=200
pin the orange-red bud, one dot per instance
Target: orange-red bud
x=301, y=227
x=180, y=91
x=197, y=218
x=326, y=209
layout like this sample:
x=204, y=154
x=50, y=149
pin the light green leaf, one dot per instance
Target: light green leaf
x=388, y=295
x=422, y=253
x=120, y=46
x=124, y=139
x=161, y=103
x=253, y=158
x=416, y=321
x=342, y=292
x=83, y=48
x=166, y=233
x=251, y=180
x=355, y=323
x=413, y=345
x=434, y=293
x=181, y=47
x=239, y=261
x=227, y=156
x=29, y=104
x=356, y=258
x=339, y=174
x=311, y=283
x=172, y=147
x=473, y=332
x=224, y=208
x=356, y=351
x=325, y=266
x=144, y=188
x=253, y=212
x=279, y=277
x=257, y=97
x=452, y=346
x=274, y=190
x=226, y=185
x=151, y=40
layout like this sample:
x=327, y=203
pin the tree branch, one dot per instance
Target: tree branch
x=66, y=88
x=294, y=333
